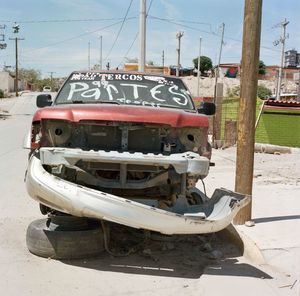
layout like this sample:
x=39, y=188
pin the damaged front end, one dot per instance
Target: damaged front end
x=139, y=175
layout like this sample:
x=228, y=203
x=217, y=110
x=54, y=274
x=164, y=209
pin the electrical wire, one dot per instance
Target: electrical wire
x=136, y=36
x=203, y=31
x=61, y=21
x=76, y=37
x=118, y=34
x=180, y=24
x=130, y=47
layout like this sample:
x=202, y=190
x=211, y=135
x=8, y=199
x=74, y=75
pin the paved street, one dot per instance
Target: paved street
x=22, y=273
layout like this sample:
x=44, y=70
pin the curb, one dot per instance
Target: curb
x=246, y=245
x=275, y=149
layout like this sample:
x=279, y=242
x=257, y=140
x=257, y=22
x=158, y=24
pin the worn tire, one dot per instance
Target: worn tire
x=46, y=239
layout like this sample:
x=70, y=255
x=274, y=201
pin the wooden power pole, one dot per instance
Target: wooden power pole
x=246, y=118
x=17, y=65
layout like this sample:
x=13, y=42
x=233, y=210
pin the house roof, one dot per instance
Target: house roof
x=275, y=103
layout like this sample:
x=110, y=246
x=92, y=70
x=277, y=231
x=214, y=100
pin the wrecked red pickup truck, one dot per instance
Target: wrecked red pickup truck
x=127, y=148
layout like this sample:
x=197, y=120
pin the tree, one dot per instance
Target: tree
x=150, y=63
x=263, y=92
x=131, y=60
x=30, y=75
x=205, y=64
x=262, y=68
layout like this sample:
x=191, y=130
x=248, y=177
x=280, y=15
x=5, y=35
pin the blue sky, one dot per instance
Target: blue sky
x=57, y=32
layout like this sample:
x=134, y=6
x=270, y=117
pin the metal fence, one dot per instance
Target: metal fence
x=223, y=126
x=276, y=125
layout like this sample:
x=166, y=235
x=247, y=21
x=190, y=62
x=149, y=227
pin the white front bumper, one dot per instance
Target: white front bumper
x=85, y=202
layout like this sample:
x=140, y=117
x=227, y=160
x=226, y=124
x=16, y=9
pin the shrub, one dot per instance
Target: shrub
x=234, y=91
x=1, y=94
x=263, y=92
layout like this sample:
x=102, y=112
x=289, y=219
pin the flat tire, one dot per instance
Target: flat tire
x=51, y=239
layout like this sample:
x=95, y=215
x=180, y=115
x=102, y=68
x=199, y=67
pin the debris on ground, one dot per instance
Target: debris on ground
x=186, y=250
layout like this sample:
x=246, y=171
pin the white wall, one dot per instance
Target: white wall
x=6, y=82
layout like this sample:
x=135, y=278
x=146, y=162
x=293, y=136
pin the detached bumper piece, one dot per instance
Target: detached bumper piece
x=81, y=201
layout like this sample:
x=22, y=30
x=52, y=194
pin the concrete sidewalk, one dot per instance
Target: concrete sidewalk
x=275, y=212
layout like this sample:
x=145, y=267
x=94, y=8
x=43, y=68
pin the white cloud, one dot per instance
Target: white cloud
x=171, y=10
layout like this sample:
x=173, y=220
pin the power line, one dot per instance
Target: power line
x=63, y=21
x=171, y=20
x=179, y=23
x=136, y=36
x=118, y=34
x=72, y=38
x=131, y=45
x=81, y=35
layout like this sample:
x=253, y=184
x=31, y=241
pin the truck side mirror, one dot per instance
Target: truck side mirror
x=43, y=100
x=207, y=108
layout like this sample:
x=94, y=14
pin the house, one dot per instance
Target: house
x=171, y=70
x=148, y=68
x=7, y=82
x=229, y=70
x=272, y=73
x=291, y=58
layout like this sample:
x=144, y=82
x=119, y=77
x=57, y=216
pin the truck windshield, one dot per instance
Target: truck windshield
x=123, y=88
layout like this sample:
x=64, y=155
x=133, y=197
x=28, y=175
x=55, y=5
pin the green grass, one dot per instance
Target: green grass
x=281, y=128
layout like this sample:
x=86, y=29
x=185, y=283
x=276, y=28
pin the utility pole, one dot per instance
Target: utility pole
x=17, y=68
x=163, y=60
x=217, y=117
x=298, y=96
x=247, y=108
x=142, y=58
x=51, y=79
x=219, y=61
x=178, y=36
x=89, y=56
x=198, y=73
x=282, y=39
x=100, y=57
